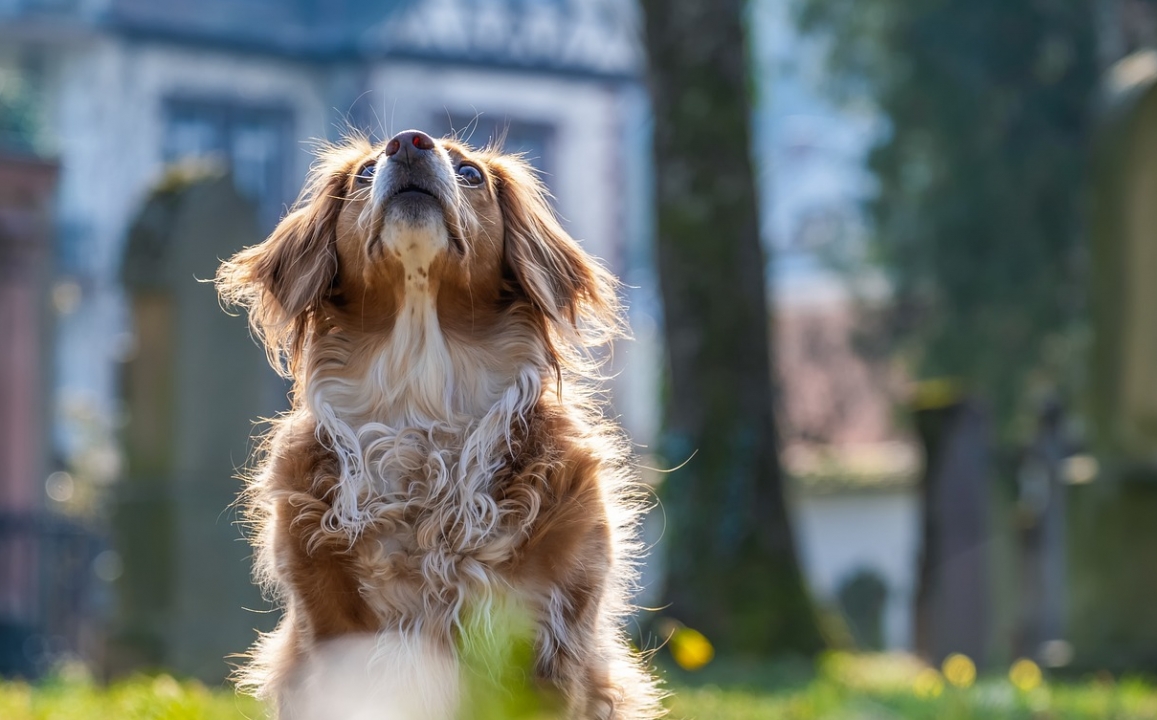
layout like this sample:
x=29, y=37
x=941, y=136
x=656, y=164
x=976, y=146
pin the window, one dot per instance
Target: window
x=253, y=141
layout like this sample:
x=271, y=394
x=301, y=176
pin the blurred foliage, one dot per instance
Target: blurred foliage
x=496, y=651
x=21, y=125
x=978, y=213
x=842, y=686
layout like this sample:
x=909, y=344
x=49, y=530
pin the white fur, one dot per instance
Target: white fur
x=367, y=677
x=417, y=246
x=423, y=405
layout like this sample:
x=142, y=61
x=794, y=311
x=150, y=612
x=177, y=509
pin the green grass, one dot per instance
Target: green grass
x=140, y=698
x=842, y=687
x=883, y=687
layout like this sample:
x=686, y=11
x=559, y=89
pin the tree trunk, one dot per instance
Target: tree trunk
x=732, y=566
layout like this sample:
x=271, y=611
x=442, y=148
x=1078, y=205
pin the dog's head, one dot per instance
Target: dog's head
x=382, y=229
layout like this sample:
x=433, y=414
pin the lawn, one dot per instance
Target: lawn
x=842, y=687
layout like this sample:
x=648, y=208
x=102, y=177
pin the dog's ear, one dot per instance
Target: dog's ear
x=552, y=271
x=282, y=280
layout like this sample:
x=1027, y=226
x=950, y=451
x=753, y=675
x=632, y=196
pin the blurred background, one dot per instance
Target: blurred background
x=954, y=207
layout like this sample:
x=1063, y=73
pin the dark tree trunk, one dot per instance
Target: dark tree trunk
x=732, y=566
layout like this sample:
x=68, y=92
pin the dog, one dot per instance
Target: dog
x=446, y=479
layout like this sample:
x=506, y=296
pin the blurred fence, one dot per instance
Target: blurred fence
x=49, y=591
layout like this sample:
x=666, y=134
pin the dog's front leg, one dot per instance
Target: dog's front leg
x=575, y=641
x=316, y=567
x=310, y=564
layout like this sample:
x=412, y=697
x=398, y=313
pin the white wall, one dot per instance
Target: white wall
x=107, y=102
x=838, y=534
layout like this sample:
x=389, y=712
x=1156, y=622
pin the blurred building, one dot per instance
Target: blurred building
x=127, y=87
x=1109, y=614
x=853, y=473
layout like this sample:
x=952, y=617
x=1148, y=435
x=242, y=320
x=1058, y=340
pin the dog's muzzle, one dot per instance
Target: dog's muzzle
x=412, y=170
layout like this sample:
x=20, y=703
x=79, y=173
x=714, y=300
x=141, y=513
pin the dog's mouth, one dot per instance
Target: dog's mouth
x=414, y=201
x=411, y=190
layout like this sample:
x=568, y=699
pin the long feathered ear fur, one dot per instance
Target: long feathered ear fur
x=575, y=295
x=282, y=281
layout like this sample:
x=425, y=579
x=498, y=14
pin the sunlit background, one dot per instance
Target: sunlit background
x=958, y=206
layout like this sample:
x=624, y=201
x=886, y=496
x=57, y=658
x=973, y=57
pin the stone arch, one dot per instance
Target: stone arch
x=192, y=388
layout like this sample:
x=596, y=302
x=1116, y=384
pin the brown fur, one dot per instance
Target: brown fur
x=327, y=297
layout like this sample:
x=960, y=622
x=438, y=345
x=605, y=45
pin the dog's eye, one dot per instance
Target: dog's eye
x=469, y=174
x=366, y=175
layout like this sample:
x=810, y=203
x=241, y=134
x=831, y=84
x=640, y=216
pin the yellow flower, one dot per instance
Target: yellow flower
x=936, y=393
x=690, y=648
x=959, y=670
x=927, y=684
x=1025, y=675
x=166, y=686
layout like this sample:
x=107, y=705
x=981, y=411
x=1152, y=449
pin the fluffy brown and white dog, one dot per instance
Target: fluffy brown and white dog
x=443, y=468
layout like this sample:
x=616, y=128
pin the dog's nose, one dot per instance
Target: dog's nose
x=408, y=142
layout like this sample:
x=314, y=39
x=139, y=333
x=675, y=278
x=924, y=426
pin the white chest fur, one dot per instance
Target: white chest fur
x=420, y=436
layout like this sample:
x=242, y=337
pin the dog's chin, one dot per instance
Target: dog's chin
x=414, y=231
x=414, y=207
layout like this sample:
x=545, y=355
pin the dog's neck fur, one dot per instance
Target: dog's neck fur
x=420, y=418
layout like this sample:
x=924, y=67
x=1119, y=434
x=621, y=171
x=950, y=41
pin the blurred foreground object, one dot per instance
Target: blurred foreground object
x=732, y=563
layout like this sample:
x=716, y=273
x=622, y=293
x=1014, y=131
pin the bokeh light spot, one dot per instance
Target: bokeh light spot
x=959, y=670
x=1025, y=675
x=927, y=684
x=60, y=486
x=691, y=649
x=108, y=566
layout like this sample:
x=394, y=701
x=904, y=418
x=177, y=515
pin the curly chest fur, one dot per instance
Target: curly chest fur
x=436, y=529
x=436, y=550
